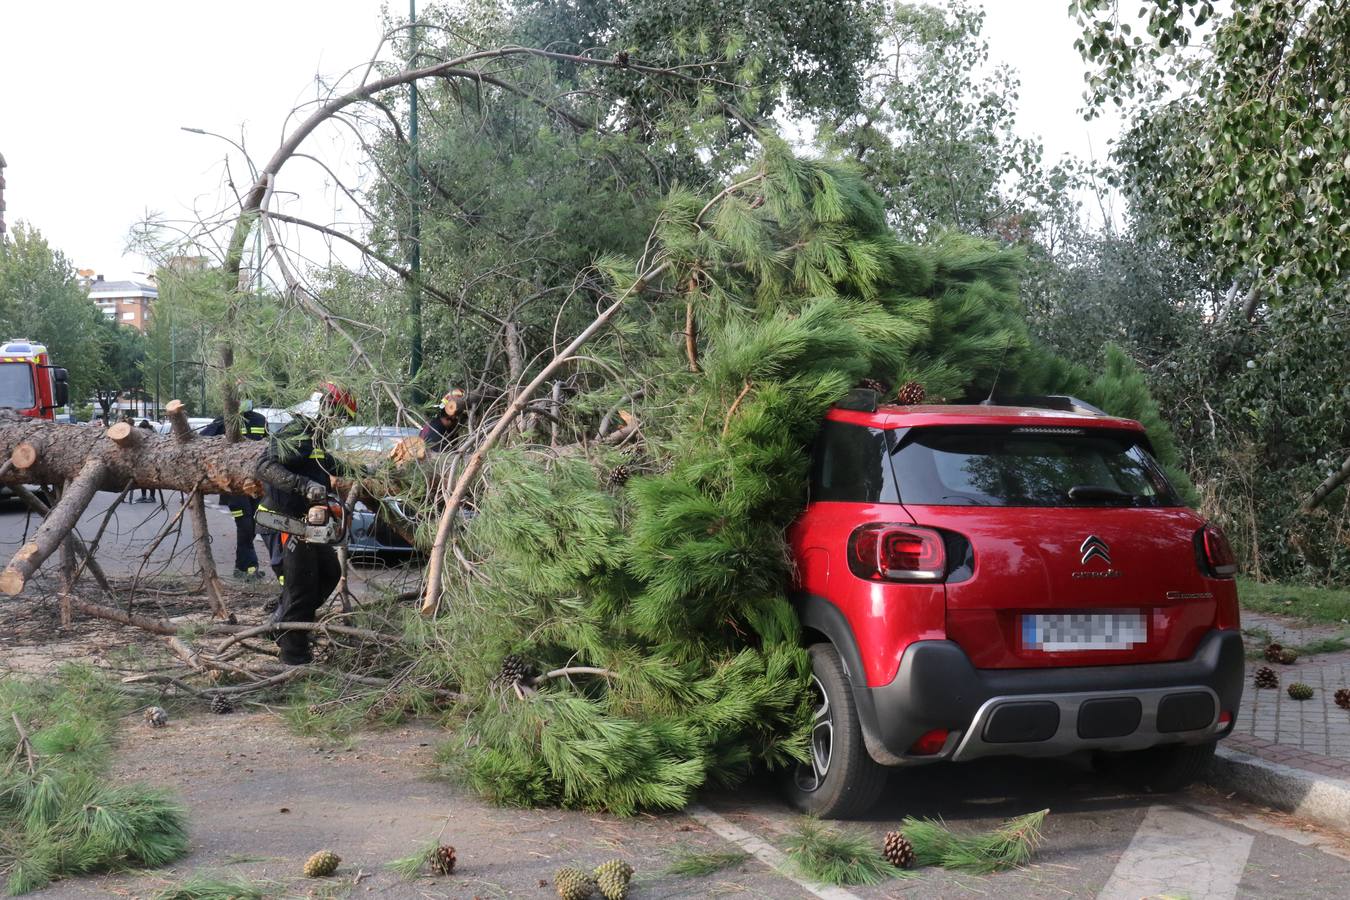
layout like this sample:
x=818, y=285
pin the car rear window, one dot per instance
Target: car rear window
x=1028, y=467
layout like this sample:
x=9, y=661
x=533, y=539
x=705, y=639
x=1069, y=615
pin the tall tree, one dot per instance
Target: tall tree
x=41, y=299
x=1239, y=145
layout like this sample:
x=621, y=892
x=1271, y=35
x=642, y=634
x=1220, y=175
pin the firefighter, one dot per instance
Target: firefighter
x=449, y=415
x=252, y=427
x=297, y=471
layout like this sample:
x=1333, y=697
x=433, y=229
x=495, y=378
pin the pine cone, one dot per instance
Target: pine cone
x=1273, y=652
x=1300, y=691
x=1343, y=698
x=323, y=863
x=515, y=669
x=911, y=393
x=871, y=384
x=573, y=884
x=612, y=879
x=1288, y=657
x=619, y=475
x=156, y=717
x=221, y=705
x=1266, y=678
x=443, y=860
x=898, y=851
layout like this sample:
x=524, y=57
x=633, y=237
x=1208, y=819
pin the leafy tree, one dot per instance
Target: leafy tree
x=939, y=140
x=1239, y=148
x=41, y=299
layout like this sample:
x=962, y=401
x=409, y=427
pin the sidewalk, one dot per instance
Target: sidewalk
x=1289, y=754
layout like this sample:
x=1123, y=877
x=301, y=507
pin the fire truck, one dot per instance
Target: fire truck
x=29, y=384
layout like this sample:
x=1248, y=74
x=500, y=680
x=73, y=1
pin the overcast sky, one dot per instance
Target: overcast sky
x=93, y=96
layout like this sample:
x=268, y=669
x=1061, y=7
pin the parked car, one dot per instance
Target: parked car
x=985, y=580
x=371, y=533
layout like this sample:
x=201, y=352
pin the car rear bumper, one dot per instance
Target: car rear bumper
x=1050, y=712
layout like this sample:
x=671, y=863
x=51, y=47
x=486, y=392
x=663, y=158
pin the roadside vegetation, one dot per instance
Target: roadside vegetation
x=59, y=813
x=1320, y=605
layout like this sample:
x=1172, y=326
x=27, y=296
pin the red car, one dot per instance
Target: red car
x=1015, y=580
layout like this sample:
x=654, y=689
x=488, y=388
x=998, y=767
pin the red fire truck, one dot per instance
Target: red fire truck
x=29, y=383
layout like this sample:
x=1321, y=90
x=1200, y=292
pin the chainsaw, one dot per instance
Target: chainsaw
x=322, y=524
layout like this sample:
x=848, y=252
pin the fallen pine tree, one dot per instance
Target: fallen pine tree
x=621, y=626
x=616, y=628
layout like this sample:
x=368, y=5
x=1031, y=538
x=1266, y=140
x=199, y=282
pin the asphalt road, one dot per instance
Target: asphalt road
x=261, y=800
x=373, y=802
x=129, y=532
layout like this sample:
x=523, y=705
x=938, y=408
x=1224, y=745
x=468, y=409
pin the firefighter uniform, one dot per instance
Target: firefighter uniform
x=309, y=572
x=448, y=416
x=253, y=427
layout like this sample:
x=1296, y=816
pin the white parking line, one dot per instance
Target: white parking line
x=763, y=851
x=1176, y=853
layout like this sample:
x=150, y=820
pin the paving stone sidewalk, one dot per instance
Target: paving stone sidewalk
x=1312, y=734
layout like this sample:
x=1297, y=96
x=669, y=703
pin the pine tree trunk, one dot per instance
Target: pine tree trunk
x=48, y=453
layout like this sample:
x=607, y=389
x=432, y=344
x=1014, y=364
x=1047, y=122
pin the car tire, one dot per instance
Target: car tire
x=1161, y=770
x=841, y=781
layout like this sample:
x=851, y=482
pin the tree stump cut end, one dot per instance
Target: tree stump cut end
x=24, y=456
x=123, y=434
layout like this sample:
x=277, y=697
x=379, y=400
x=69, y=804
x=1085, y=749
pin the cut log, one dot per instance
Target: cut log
x=91, y=459
x=48, y=453
x=36, y=505
x=54, y=528
x=206, y=563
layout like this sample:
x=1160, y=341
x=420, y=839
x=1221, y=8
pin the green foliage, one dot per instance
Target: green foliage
x=839, y=857
x=209, y=886
x=410, y=866
x=1008, y=846
x=674, y=585
x=698, y=863
x=59, y=814
x=1238, y=146
x=41, y=299
x=937, y=134
x=1313, y=604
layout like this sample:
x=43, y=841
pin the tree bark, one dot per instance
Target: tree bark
x=48, y=453
x=1323, y=490
x=54, y=528
x=182, y=434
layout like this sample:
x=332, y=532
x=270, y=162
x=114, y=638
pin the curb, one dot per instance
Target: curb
x=1322, y=798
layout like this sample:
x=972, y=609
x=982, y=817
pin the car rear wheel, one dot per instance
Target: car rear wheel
x=1160, y=769
x=841, y=780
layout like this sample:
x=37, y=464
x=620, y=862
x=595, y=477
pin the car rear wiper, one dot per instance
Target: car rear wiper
x=1098, y=492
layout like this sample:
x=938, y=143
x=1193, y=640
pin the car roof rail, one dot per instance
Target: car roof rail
x=1057, y=402
x=860, y=400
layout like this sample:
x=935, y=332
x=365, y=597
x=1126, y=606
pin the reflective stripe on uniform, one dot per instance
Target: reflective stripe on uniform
x=237, y=513
x=256, y=430
x=318, y=454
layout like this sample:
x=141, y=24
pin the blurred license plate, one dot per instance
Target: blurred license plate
x=1084, y=631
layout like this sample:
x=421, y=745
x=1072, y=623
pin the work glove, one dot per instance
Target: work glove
x=315, y=492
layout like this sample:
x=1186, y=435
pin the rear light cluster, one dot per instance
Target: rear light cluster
x=897, y=553
x=1215, y=552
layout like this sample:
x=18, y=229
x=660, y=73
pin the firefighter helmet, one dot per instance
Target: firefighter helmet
x=333, y=398
x=453, y=402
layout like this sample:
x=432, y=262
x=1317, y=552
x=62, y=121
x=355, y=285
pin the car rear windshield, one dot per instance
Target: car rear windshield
x=1028, y=467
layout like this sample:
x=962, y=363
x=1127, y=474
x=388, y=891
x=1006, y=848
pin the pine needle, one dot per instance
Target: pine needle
x=410, y=866
x=215, y=887
x=1008, y=846
x=64, y=817
x=833, y=856
x=696, y=863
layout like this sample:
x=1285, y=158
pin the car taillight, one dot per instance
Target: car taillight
x=897, y=553
x=930, y=742
x=1219, y=556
